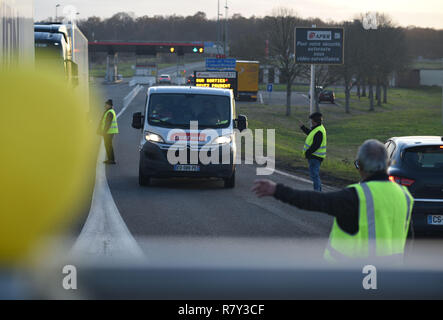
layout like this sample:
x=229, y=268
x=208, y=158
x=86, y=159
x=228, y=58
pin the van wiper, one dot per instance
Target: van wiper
x=168, y=124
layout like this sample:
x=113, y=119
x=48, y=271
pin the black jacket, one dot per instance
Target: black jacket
x=343, y=204
x=318, y=138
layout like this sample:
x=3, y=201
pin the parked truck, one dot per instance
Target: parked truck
x=16, y=34
x=64, y=48
x=248, y=73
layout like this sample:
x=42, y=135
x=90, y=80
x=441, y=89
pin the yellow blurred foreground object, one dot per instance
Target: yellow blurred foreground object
x=46, y=150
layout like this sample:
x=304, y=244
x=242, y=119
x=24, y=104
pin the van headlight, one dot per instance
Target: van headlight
x=222, y=140
x=153, y=137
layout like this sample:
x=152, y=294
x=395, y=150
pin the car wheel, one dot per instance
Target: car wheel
x=229, y=183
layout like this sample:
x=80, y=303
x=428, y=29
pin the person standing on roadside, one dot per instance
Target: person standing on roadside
x=108, y=128
x=314, y=149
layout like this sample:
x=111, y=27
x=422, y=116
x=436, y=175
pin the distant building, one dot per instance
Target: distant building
x=431, y=77
x=418, y=77
x=407, y=79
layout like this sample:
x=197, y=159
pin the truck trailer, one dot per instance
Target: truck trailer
x=64, y=48
x=16, y=33
x=248, y=75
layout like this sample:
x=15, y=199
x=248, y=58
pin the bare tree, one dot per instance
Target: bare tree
x=384, y=51
x=281, y=26
x=350, y=70
x=393, y=56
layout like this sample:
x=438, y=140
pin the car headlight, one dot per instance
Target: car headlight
x=153, y=137
x=222, y=140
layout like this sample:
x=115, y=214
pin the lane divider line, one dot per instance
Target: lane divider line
x=105, y=233
x=129, y=98
x=291, y=176
x=260, y=98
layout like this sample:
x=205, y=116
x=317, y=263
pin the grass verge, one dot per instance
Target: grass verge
x=282, y=87
x=408, y=112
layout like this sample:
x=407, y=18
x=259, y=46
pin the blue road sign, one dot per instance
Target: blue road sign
x=220, y=64
x=269, y=87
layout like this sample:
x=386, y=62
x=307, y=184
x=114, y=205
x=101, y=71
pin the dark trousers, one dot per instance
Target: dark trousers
x=107, y=138
x=314, y=172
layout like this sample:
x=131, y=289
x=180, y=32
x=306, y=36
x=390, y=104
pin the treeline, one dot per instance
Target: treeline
x=424, y=42
x=246, y=36
x=372, y=55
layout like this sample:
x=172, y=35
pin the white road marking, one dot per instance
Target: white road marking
x=105, y=234
x=294, y=177
x=128, y=99
x=291, y=176
x=304, y=95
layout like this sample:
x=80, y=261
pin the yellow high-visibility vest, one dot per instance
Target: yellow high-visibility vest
x=384, y=218
x=320, y=152
x=113, y=129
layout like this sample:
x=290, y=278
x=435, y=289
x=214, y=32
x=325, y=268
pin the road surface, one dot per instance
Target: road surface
x=279, y=98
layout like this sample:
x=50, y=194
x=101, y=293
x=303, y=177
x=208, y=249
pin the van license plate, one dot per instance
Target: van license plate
x=186, y=168
x=435, y=220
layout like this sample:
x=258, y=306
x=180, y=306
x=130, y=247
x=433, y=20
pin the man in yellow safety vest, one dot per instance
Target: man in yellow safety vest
x=108, y=128
x=314, y=149
x=372, y=218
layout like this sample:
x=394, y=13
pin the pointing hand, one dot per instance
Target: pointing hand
x=264, y=188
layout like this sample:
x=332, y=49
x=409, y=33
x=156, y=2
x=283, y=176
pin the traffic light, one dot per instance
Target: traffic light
x=198, y=50
x=171, y=49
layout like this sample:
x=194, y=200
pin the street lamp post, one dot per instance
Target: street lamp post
x=226, y=30
x=312, y=86
x=56, y=11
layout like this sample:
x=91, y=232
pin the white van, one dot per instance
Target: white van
x=188, y=132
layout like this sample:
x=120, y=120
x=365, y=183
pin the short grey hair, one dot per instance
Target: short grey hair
x=372, y=156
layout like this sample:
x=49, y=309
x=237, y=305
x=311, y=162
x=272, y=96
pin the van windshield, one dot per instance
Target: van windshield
x=177, y=110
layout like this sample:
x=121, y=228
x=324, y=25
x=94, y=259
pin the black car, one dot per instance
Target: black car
x=326, y=95
x=323, y=95
x=417, y=163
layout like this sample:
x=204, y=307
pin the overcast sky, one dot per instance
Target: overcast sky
x=425, y=13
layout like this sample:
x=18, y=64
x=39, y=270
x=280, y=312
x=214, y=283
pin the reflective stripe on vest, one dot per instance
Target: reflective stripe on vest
x=321, y=151
x=384, y=218
x=410, y=202
x=333, y=255
x=113, y=129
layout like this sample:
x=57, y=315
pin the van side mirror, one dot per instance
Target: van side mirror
x=242, y=122
x=137, y=120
